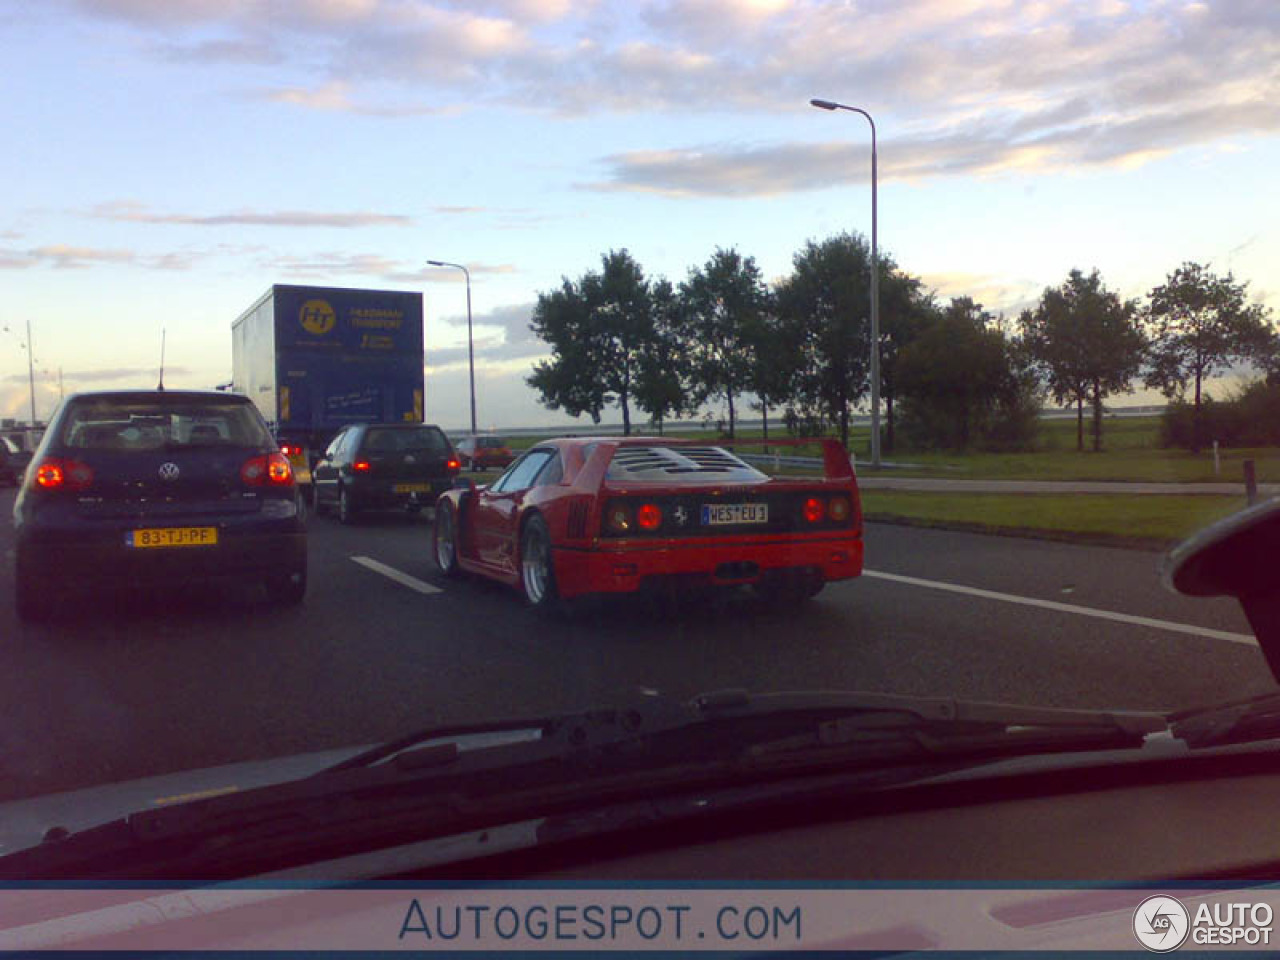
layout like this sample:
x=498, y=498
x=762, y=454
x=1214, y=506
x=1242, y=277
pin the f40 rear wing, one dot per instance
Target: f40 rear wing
x=836, y=462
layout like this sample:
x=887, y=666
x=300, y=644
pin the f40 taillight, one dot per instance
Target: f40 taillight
x=56, y=473
x=273, y=470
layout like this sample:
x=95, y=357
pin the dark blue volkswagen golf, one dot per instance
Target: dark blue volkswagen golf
x=139, y=488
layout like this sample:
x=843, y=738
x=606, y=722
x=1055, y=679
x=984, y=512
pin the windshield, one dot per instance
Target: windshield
x=785, y=346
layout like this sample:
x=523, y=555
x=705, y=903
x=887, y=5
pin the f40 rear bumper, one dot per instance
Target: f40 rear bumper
x=610, y=568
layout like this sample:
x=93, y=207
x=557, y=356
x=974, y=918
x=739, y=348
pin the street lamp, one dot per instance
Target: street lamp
x=471, y=347
x=875, y=284
x=31, y=371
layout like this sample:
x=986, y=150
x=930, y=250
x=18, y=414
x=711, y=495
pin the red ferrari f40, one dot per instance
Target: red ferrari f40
x=600, y=515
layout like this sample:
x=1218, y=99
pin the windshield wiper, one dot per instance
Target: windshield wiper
x=1239, y=721
x=439, y=781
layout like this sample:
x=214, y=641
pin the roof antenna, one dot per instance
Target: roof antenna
x=161, y=386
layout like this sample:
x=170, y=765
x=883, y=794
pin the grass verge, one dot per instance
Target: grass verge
x=1152, y=522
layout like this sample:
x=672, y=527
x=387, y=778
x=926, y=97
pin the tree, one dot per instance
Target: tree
x=1086, y=343
x=1200, y=325
x=825, y=302
x=723, y=300
x=661, y=387
x=775, y=360
x=954, y=375
x=906, y=309
x=598, y=330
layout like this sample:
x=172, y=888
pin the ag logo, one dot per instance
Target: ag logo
x=316, y=316
x=1161, y=924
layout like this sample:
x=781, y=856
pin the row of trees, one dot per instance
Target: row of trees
x=951, y=374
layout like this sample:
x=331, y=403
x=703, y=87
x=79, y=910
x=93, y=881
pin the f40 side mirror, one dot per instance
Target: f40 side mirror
x=1236, y=557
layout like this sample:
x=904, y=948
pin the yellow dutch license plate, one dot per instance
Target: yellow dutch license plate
x=172, y=537
x=413, y=488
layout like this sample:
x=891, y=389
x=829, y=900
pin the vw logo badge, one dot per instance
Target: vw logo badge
x=169, y=471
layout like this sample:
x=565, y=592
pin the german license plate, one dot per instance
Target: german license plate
x=172, y=537
x=727, y=514
x=412, y=488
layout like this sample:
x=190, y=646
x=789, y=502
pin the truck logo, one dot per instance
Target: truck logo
x=317, y=317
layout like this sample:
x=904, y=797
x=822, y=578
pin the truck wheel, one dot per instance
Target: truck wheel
x=346, y=507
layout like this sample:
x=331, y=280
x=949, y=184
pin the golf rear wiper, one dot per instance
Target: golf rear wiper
x=439, y=781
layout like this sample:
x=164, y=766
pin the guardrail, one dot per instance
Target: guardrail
x=777, y=460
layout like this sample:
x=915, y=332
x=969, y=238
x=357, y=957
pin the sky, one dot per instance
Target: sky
x=166, y=161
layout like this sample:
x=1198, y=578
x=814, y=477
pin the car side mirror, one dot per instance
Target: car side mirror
x=464, y=483
x=1236, y=557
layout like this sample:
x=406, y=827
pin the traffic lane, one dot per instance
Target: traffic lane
x=122, y=685
x=886, y=635
x=175, y=683
x=1107, y=578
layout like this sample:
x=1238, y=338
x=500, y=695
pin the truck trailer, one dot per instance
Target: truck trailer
x=314, y=359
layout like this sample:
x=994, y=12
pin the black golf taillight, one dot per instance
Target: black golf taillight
x=58, y=473
x=272, y=470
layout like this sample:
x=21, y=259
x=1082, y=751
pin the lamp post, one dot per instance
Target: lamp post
x=471, y=348
x=875, y=284
x=31, y=371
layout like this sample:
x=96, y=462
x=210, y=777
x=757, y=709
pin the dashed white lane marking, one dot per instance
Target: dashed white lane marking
x=1067, y=608
x=391, y=573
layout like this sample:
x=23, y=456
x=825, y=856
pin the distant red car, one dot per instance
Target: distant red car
x=594, y=515
x=481, y=453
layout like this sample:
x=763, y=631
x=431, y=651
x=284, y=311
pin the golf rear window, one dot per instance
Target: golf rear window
x=153, y=423
x=396, y=439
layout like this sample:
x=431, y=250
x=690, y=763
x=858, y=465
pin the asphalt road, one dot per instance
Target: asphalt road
x=127, y=686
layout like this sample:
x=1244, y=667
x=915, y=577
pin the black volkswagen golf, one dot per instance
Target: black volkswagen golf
x=139, y=488
x=384, y=466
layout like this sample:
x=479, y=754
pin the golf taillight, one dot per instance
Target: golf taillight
x=453, y=464
x=54, y=473
x=271, y=470
x=361, y=466
x=648, y=516
x=814, y=510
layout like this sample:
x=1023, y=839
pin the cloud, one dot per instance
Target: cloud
x=330, y=264
x=258, y=53
x=983, y=149
x=137, y=213
x=503, y=336
x=996, y=294
x=61, y=256
x=106, y=374
x=959, y=86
